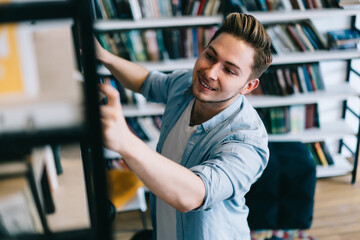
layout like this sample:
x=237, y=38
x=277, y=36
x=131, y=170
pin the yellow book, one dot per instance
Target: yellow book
x=122, y=186
x=10, y=67
x=18, y=74
x=320, y=154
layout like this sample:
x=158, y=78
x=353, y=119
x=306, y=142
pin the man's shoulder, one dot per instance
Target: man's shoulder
x=181, y=78
x=181, y=74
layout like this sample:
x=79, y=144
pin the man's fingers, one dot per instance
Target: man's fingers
x=111, y=93
x=107, y=112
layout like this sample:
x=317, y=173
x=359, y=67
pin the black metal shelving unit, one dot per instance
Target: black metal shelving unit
x=347, y=109
x=89, y=134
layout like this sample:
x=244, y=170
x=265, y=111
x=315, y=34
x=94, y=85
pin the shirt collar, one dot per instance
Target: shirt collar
x=225, y=114
x=221, y=116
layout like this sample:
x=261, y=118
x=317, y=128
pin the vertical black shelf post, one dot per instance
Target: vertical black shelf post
x=94, y=135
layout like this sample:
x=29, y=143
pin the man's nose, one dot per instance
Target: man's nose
x=212, y=73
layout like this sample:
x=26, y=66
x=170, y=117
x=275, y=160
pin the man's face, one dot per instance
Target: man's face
x=222, y=71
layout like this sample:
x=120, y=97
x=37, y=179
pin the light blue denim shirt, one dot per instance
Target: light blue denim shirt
x=229, y=152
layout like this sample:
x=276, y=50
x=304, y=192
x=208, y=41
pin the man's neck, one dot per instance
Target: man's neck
x=201, y=112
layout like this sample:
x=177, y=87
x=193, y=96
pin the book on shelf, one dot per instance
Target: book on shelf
x=349, y=4
x=305, y=38
x=137, y=129
x=314, y=154
x=140, y=9
x=289, y=119
x=297, y=118
x=343, y=39
x=295, y=37
x=26, y=191
x=320, y=153
x=157, y=45
x=19, y=75
x=292, y=79
x=18, y=211
x=327, y=153
x=152, y=131
x=43, y=175
x=146, y=128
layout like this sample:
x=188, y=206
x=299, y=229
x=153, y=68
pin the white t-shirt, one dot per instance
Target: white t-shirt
x=173, y=149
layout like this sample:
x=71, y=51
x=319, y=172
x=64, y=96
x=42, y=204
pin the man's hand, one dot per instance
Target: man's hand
x=99, y=50
x=115, y=129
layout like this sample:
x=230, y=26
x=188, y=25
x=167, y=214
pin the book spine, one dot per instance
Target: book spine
x=320, y=154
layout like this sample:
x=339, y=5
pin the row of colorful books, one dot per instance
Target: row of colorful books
x=156, y=45
x=289, y=119
x=301, y=36
x=138, y=9
x=290, y=79
x=288, y=5
x=320, y=153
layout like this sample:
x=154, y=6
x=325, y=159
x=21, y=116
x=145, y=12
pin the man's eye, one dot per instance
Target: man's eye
x=209, y=56
x=227, y=70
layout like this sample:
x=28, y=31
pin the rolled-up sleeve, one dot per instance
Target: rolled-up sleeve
x=232, y=169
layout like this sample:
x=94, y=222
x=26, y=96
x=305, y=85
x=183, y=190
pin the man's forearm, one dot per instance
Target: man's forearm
x=130, y=75
x=173, y=183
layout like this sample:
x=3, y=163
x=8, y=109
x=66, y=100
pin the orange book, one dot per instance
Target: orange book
x=320, y=154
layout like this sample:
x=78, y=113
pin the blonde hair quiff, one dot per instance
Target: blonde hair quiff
x=252, y=32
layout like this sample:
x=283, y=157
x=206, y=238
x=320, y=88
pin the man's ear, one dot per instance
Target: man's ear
x=250, y=85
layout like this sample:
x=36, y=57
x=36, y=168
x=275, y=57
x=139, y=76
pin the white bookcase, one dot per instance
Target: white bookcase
x=340, y=92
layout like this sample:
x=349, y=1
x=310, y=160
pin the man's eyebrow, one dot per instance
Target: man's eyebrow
x=227, y=62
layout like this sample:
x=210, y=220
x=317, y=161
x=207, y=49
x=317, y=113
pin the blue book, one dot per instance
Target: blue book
x=344, y=36
x=307, y=79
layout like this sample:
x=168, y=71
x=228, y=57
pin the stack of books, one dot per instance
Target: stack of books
x=349, y=4
x=343, y=39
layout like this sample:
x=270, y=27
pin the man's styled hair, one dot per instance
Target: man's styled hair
x=250, y=30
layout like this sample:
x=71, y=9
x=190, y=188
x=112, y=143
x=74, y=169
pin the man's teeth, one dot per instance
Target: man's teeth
x=202, y=83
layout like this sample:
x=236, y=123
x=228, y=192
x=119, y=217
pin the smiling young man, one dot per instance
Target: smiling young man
x=212, y=146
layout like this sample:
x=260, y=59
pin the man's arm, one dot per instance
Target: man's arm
x=129, y=74
x=175, y=184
